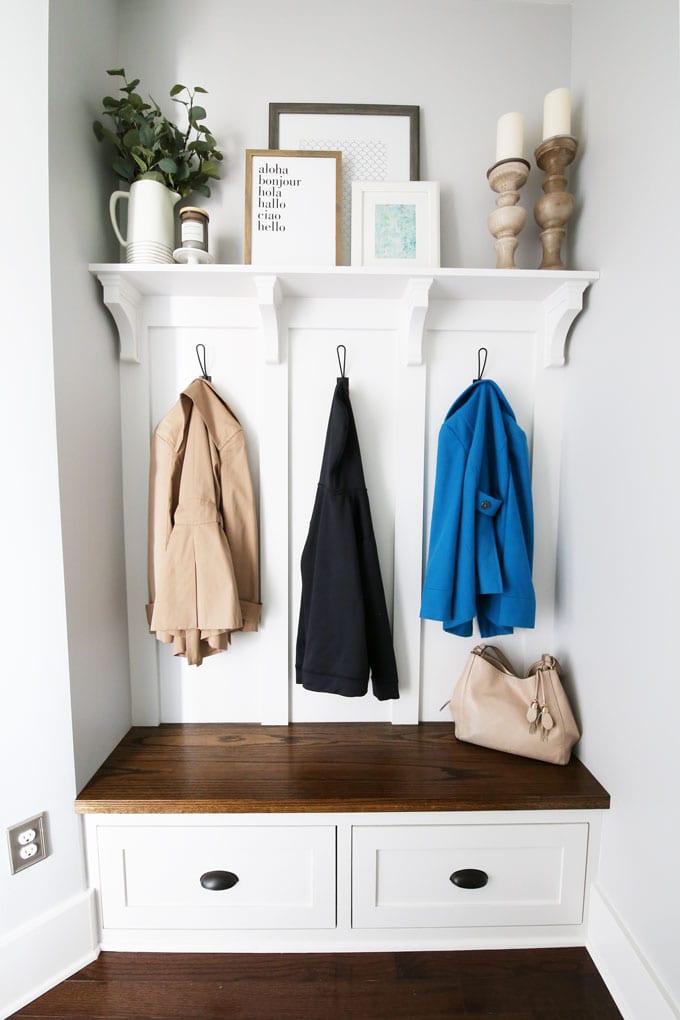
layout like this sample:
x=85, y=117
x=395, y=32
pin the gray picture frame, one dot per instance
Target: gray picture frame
x=378, y=142
x=411, y=113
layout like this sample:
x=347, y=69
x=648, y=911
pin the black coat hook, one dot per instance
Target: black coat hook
x=203, y=365
x=342, y=364
x=481, y=366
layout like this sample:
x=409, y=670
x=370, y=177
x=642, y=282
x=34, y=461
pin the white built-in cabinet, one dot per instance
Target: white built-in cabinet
x=271, y=339
x=337, y=882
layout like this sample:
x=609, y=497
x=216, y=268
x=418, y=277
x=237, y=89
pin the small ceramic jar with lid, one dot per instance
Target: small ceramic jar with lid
x=194, y=228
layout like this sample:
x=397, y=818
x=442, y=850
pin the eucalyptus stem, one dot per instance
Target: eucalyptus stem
x=149, y=146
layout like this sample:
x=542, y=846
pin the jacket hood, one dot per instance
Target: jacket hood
x=341, y=467
x=482, y=388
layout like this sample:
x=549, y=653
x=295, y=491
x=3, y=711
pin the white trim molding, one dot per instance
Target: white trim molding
x=52, y=947
x=635, y=987
x=561, y=309
x=124, y=302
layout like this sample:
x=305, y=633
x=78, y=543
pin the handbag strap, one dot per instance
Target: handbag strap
x=546, y=662
x=491, y=653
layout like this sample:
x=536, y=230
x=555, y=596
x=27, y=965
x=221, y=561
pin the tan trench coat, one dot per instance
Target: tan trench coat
x=203, y=543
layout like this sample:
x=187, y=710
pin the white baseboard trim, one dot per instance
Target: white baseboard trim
x=37, y=956
x=635, y=988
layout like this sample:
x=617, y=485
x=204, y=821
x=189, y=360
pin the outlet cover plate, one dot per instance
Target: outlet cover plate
x=17, y=863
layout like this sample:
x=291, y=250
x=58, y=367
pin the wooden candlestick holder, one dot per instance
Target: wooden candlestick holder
x=506, y=178
x=553, y=209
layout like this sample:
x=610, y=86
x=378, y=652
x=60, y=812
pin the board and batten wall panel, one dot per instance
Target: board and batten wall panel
x=242, y=684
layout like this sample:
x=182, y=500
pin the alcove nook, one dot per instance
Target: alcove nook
x=67, y=695
x=319, y=807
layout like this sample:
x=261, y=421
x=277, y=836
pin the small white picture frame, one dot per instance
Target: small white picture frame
x=395, y=224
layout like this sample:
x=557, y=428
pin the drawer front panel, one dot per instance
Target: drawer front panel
x=402, y=875
x=150, y=876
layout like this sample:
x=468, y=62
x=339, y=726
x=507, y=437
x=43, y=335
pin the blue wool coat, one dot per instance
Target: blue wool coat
x=482, y=531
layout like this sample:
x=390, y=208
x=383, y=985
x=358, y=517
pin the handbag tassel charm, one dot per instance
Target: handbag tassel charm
x=546, y=723
x=537, y=713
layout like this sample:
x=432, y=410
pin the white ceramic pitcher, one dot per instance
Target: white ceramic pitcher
x=151, y=221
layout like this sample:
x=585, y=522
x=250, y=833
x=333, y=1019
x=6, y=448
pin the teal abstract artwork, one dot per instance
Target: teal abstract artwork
x=395, y=231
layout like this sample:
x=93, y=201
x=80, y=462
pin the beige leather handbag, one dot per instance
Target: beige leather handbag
x=526, y=715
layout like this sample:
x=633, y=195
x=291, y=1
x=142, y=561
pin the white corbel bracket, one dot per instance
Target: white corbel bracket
x=269, y=297
x=124, y=302
x=560, y=310
x=416, y=301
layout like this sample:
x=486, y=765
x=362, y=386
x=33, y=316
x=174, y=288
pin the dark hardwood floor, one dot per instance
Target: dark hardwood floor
x=537, y=984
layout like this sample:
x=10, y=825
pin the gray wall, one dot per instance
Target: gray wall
x=63, y=600
x=464, y=62
x=86, y=367
x=620, y=553
x=36, y=750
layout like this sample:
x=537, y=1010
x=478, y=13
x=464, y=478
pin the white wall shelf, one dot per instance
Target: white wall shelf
x=127, y=285
x=342, y=281
x=270, y=335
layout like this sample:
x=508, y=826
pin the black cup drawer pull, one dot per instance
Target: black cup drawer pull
x=469, y=878
x=219, y=880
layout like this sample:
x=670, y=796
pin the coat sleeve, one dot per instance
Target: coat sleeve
x=240, y=524
x=379, y=646
x=515, y=605
x=444, y=593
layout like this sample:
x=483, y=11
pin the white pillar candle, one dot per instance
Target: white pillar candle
x=510, y=137
x=557, y=113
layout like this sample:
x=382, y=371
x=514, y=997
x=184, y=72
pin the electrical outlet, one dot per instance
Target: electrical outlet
x=27, y=843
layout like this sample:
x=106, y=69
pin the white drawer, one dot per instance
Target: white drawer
x=402, y=875
x=150, y=876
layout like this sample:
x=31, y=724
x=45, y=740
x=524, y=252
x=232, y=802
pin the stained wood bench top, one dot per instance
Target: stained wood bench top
x=325, y=767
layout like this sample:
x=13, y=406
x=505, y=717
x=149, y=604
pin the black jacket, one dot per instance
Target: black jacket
x=344, y=630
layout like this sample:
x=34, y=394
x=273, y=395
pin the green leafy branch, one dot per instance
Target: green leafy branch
x=148, y=146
